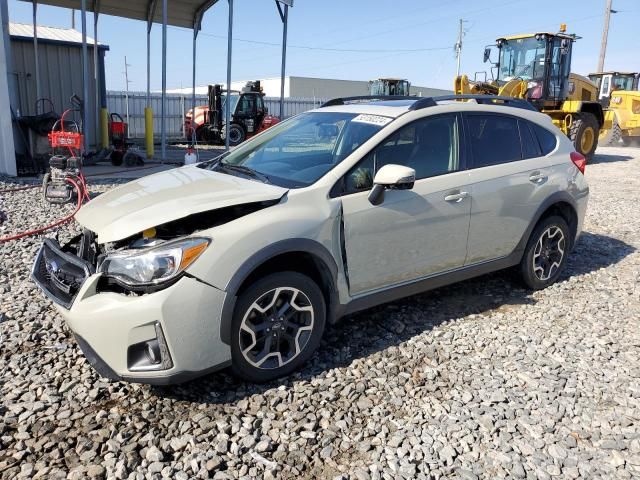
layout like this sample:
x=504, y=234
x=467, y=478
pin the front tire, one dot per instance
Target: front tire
x=237, y=134
x=584, y=133
x=546, y=253
x=277, y=325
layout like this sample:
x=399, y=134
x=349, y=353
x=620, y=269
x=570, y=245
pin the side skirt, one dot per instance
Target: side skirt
x=370, y=300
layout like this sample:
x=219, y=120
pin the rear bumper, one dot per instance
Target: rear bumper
x=116, y=331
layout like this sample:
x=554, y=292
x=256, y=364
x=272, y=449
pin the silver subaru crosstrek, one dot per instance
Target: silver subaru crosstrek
x=244, y=259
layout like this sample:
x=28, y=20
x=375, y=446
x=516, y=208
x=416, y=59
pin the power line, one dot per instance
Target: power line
x=326, y=49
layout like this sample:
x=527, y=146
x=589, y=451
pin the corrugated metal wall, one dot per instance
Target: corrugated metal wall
x=60, y=77
x=177, y=105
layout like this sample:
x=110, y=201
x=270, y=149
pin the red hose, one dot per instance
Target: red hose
x=82, y=194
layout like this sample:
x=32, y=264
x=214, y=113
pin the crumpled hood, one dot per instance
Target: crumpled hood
x=166, y=196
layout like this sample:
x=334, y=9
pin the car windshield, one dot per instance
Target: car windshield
x=297, y=152
x=623, y=82
x=234, y=102
x=522, y=58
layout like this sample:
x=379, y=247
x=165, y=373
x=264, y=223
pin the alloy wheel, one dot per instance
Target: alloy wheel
x=549, y=252
x=276, y=328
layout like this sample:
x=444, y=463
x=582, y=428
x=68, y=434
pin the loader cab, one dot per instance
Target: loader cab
x=543, y=60
x=389, y=87
x=608, y=82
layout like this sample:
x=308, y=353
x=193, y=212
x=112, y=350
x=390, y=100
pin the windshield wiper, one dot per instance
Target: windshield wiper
x=245, y=170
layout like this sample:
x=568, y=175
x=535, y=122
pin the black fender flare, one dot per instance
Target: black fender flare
x=305, y=245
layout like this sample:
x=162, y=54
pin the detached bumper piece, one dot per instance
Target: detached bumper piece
x=58, y=274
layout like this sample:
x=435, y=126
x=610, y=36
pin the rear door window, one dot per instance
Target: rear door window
x=547, y=140
x=494, y=139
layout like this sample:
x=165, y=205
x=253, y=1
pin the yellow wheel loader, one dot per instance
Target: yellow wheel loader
x=537, y=67
x=618, y=93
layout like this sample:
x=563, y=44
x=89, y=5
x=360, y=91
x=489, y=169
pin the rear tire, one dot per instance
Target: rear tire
x=616, y=136
x=584, y=134
x=277, y=324
x=546, y=253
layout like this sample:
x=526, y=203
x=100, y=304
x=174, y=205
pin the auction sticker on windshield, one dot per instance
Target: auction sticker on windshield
x=372, y=119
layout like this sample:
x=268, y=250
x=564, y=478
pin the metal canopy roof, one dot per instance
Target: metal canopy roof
x=50, y=34
x=180, y=13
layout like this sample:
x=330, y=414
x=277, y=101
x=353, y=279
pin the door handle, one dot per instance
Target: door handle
x=456, y=197
x=538, y=177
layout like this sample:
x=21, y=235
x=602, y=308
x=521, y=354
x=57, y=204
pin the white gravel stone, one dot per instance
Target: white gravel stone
x=546, y=382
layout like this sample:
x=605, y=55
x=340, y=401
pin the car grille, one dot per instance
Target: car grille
x=59, y=274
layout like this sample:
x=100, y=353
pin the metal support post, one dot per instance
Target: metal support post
x=35, y=53
x=284, y=16
x=96, y=73
x=148, y=112
x=85, y=74
x=227, y=104
x=193, y=91
x=163, y=112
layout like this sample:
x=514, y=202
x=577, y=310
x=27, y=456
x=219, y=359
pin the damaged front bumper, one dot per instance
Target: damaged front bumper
x=167, y=336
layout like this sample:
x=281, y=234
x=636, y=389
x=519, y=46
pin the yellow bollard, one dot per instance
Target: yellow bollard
x=104, y=128
x=148, y=131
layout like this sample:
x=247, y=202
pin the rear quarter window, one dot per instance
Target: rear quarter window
x=546, y=139
x=530, y=144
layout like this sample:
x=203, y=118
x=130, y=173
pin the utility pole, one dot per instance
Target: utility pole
x=73, y=19
x=458, y=47
x=605, y=35
x=126, y=83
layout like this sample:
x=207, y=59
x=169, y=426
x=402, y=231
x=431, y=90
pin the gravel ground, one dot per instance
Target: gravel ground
x=478, y=380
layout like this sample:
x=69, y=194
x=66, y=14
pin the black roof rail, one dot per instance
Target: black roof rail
x=425, y=102
x=365, y=98
x=486, y=100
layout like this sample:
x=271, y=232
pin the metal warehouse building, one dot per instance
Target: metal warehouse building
x=59, y=64
x=311, y=87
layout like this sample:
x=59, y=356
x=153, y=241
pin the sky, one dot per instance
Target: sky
x=351, y=39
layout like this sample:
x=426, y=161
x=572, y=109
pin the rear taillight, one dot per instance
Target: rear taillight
x=579, y=161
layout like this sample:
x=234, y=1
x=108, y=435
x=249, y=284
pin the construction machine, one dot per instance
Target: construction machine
x=618, y=93
x=249, y=115
x=389, y=87
x=608, y=82
x=537, y=67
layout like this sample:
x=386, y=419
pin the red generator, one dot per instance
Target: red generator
x=118, y=138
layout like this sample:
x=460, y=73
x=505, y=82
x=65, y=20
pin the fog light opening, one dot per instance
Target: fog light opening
x=152, y=354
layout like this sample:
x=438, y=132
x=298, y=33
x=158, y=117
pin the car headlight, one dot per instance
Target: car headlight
x=154, y=265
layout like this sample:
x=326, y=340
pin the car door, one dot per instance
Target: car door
x=413, y=233
x=509, y=179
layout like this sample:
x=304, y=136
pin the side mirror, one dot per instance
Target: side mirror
x=487, y=54
x=391, y=177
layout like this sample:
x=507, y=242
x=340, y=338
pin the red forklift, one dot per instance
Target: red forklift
x=249, y=115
